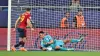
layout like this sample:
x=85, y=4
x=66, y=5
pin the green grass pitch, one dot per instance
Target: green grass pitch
x=48, y=53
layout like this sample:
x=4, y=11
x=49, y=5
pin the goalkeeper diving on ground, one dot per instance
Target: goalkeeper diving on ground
x=48, y=43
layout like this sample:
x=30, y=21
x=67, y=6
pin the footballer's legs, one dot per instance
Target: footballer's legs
x=72, y=41
x=58, y=48
x=76, y=40
x=13, y=48
x=82, y=36
x=22, y=44
x=22, y=34
x=23, y=40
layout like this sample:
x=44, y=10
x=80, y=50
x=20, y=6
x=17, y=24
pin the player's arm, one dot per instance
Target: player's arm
x=29, y=23
x=17, y=22
x=66, y=22
x=41, y=43
x=42, y=46
x=83, y=24
x=51, y=40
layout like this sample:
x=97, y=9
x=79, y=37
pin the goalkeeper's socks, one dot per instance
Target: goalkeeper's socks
x=75, y=40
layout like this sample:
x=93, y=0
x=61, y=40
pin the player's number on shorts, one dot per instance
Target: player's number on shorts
x=22, y=18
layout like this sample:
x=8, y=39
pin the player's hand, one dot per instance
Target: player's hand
x=48, y=43
x=32, y=29
x=83, y=25
x=14, y=29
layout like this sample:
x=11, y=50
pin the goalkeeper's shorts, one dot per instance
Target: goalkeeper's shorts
x=59, y=43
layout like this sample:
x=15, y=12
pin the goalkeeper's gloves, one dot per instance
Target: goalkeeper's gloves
x=47, y=44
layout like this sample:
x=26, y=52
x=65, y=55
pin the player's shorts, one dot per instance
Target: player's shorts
x=22, y=32
x=59, y=43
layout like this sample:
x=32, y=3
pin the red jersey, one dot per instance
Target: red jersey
x=23, y=20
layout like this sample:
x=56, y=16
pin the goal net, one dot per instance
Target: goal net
x=47, y=15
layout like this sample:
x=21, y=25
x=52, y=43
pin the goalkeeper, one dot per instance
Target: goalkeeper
x=48, y=43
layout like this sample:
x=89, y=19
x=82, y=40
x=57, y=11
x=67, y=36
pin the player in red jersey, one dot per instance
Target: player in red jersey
x=24, y=21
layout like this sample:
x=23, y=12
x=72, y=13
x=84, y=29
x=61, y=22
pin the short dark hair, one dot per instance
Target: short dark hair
x=80, y=11
x=28, y=9
x=66, y=12
x=41, y=32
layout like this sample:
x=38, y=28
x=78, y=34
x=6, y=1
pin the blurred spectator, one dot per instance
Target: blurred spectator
x=75, y=6
x=78, y=21
x=64, y=21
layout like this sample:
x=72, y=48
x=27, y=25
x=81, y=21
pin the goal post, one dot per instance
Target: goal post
x=9, y=26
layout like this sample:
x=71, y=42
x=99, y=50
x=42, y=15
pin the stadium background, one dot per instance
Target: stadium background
x=48, y=19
